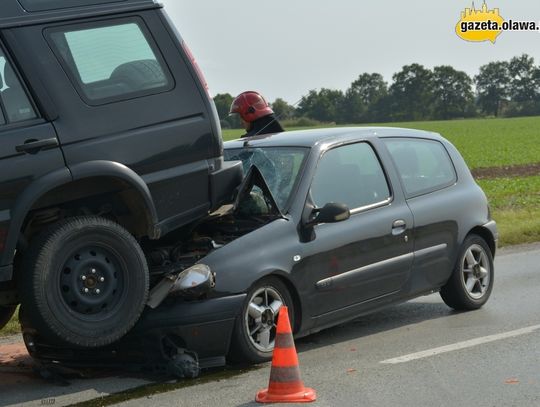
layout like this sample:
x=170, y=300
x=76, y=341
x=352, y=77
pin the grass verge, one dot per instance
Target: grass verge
x=515, y=204
x=12, y=326
x=517, y=226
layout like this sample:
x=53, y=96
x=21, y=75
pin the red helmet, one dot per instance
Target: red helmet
x=250, y=106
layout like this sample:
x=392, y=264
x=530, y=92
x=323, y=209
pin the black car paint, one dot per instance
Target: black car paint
x=436, y=224
x=176, y=178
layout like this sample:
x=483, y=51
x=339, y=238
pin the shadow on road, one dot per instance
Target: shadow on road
x=390, y=318
x=22, y=382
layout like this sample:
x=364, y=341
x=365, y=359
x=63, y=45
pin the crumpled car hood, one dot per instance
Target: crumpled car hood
x=253, y=178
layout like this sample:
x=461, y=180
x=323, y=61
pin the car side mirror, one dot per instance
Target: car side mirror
x=330, y=213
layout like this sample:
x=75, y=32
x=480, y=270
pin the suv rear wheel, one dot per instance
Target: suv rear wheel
x=85, y=282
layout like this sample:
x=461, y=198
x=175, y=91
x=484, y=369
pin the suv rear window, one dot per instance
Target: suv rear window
x=111, y=62
x=42, y=5
x=424, y=165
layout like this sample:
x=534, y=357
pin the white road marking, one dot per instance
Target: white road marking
x=461, y=345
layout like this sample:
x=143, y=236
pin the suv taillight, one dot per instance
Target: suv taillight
x=197, y=68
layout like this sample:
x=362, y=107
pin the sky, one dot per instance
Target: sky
x=285, y=48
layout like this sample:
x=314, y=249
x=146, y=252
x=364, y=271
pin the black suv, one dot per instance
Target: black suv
x=109, y=140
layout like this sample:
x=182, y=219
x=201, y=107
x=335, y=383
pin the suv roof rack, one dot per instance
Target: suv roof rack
x=28, y=12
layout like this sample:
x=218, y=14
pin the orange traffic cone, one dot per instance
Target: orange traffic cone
x=285, y=384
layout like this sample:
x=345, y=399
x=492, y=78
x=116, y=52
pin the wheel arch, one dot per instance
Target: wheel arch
x=485, y=234
x=115, y=170
x=284, y=278
x=63, y=186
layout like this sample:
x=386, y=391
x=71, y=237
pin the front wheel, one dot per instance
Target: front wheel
x=471, y=282
x=255, y=329
x=85, y=282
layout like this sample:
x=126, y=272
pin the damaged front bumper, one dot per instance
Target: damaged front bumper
x=203, y=326
x=161, y=340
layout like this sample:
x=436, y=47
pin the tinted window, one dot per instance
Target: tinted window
x=15, y=104
x=351, y=175
x=424, y=165
x=111, y=62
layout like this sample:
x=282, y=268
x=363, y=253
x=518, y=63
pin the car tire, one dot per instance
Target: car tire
x=471, y=282
x=5, y=315
x=255, y=328
x=85, y=282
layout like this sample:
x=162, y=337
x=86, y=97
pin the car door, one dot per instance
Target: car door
x=126, y=95
x=28, y=147
x=366, y=257
x=429, y=182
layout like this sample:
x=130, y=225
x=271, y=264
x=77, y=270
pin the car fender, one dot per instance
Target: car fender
x=242, y=262
x=40, y=186
x=24, y=202
x=103, y=168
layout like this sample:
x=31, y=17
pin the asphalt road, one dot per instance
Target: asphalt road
x=416, y=354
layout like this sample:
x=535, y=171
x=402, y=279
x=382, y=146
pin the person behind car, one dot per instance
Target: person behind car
x=255, y=113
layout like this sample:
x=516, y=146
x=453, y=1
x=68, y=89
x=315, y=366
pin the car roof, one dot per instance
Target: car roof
x=327, y=136
x=16, y=13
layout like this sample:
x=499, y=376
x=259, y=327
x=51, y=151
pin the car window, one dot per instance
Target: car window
x=111, y=62
x=280, y=167
x=423, y=165
x=351, y=175
x=15, y=104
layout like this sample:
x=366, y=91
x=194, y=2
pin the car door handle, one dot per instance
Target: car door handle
x=32, y=146
x=398, y=227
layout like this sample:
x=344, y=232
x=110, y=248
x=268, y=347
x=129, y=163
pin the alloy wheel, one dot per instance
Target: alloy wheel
x=475, y=271
x=261, y=318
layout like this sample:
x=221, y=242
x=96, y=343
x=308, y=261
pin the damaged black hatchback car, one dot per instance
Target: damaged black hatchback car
x=334, y=223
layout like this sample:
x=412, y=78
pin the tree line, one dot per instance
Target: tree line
x=500, y=89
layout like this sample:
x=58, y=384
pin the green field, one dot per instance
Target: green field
x=490, y=142
x=484, y=143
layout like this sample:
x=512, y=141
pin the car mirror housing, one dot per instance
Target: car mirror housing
x=330, y=213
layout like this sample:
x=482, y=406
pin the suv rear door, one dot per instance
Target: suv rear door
x=28, y=148
x=126, y=95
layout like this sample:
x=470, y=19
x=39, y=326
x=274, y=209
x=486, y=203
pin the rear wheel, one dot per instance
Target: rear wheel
x=471, y=282
x=85, y=282
x=255, y=328
x=5, y=315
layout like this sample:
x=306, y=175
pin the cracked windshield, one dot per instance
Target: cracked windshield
x=279, y=166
